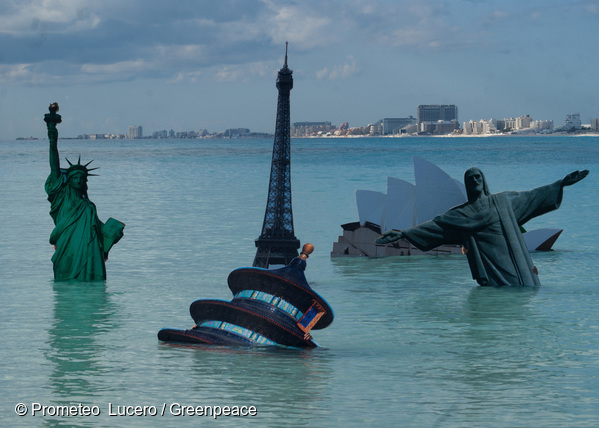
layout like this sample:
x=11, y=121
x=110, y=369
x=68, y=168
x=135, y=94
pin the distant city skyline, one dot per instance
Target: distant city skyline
x=136, y=131
x=422, y=114
x=386, y=126
x=176, y=65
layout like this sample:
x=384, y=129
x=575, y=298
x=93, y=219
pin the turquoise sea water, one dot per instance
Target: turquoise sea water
x=414, y=343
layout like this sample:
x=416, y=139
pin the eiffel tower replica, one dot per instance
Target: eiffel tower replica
x=277, y=245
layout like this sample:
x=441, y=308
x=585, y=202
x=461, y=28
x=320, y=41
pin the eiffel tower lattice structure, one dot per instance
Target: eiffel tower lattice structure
x=277, y=244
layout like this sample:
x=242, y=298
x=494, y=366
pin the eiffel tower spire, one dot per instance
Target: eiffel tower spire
x=277, y=244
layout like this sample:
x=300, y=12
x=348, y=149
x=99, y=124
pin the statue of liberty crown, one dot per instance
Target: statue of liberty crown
x=74, y=168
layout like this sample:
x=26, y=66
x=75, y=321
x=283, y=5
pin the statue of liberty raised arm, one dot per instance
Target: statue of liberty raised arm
x=81, y=240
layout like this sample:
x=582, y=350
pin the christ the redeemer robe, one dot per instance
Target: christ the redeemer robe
x=489, y=230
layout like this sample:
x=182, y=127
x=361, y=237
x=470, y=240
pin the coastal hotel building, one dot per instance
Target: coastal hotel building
x=431, y=119
x=437, y=118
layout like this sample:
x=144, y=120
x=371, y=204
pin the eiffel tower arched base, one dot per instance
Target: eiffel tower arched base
x=277, y=252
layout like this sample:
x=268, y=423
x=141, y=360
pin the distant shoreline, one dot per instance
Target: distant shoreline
x=553, y=134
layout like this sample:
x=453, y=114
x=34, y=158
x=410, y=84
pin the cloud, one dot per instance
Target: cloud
x=426, y=26
x=191, y=76
x=242, y=73
x=304, y=25
x=342, y=71
x=114, y=40
x=499, y=14
x=38, y=16
x=593, y=8
x=65, y=41
x=123, y=67
x=16, y=73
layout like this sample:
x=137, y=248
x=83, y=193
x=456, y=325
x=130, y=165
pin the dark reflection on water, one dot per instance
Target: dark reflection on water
x=496, y=324
x=499, y=351
x=284, y=384
x=82, y=312
x=477, y=346
x=492, y=303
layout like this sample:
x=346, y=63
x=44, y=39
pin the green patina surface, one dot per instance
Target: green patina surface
x=81, y=240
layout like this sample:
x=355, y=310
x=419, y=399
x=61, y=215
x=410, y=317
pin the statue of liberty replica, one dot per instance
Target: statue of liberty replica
x=80, y=239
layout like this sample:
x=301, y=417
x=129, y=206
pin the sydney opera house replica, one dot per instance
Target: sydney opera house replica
x=406, y=205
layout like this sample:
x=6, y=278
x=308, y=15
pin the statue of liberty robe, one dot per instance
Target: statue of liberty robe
x=82, y=241
x=489, y=230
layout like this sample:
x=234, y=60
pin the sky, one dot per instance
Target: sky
x=204, y=64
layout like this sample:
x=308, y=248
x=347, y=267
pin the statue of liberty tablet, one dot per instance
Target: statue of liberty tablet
x=80, y=239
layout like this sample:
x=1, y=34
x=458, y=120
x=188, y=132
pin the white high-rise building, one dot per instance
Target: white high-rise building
x=572, y=122
x=523, y=122
x=135, y=132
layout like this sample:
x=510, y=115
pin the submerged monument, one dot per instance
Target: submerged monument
x=488, y=228
x=277, y=244
x=80, y=239
x=405, y=205
x=269, y=307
